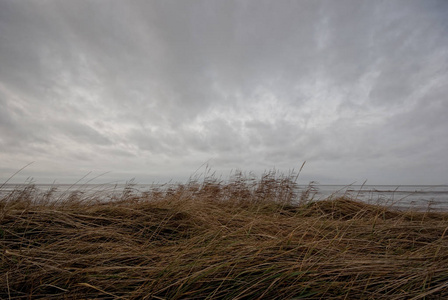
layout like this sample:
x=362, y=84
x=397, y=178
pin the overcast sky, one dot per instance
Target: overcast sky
x=151, y=90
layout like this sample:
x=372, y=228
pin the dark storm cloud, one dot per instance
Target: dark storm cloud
x=153, y=87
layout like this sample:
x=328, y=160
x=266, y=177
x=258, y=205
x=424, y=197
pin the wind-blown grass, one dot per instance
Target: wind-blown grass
x=240, y=239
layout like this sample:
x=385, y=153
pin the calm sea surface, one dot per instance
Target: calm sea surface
x=422, y=197
x=434, y=197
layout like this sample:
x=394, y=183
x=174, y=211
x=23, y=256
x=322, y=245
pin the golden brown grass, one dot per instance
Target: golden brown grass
x=243, y=239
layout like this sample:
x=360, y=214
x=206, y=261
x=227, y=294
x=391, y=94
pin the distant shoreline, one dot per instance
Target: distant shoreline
x=405, y=196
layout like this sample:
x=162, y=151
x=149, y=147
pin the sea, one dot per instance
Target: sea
x=402, y=197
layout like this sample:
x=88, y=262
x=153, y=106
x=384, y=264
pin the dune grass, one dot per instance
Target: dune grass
x=245, y=238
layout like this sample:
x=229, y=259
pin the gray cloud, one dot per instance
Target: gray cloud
x=152, y=89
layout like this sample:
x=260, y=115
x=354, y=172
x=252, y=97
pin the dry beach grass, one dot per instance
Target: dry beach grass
x=239, y=239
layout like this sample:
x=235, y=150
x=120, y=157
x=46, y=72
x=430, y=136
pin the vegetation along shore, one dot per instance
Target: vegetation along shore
x=243, y=238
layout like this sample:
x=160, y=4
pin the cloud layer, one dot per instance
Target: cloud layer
x=153, y=89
